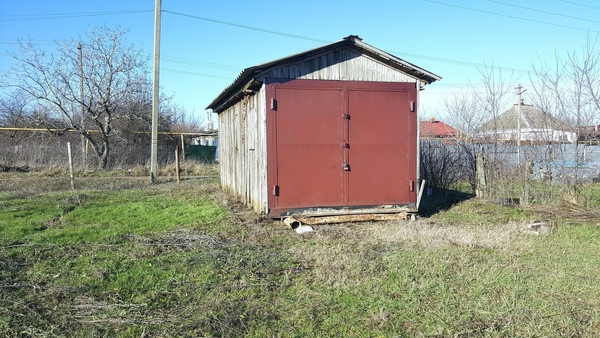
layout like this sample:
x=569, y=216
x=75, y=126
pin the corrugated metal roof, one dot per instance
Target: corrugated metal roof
x=436, y=129
x=244, y=81
x=531, y=117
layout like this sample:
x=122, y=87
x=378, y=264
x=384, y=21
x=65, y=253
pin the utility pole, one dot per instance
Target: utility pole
x=155, y=94
x=83, y=141
x=519, y=103
x=209, y=124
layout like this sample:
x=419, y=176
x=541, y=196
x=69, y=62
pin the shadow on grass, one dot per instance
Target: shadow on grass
x=441, y=199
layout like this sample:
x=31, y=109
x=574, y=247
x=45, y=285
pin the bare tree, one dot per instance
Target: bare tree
x=468, y=111
x=13, y=110
x=465, y=115
x=569, y=88
x=112, y=72
x=493, y=96
x=464, y=112
x=186, y=122
x=590, y=67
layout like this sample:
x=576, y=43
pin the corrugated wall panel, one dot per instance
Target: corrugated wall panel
x=260, y=197
x=242, y=142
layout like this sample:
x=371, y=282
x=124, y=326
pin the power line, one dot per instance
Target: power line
x=39, y=17
x=91, y=131
x=233, y=68
x=459, y=63
x=510, y=16
x=578, y=4
x=443, y=60
x=196, y=74
x=248, y=27
x=204, y=64
x=542, y=11
x=37, y=42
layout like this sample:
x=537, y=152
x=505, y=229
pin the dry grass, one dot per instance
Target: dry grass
x=428, y=234
x=345, y=253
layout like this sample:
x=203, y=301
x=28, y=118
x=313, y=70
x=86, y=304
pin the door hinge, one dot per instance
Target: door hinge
x=346, y=116
x=275, y=190
x=273, y=104
x=411, y=185
x=412, y=106
x=346, y=166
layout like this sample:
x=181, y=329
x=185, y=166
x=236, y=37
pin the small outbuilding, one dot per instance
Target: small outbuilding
x=329, y=131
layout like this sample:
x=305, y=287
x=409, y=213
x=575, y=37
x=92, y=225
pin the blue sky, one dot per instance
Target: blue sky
x=206, y=44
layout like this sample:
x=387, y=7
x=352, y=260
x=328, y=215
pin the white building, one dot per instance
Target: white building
x=526, y=123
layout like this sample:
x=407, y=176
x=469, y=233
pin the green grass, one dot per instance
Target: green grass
x=170, y=260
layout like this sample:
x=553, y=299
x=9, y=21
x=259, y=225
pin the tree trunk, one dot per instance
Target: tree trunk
x=103, y=156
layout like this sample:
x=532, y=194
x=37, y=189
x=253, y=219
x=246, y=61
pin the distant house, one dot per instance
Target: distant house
x=434, y=129
x=204, y=147
x=589, y=134
x=529, y=125
x=207, y=139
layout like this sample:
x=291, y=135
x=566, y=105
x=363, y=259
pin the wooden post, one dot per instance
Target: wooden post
x=480, y=175
x=182, y=148
x=177, y=164
x=525, y=181
x=72, y=177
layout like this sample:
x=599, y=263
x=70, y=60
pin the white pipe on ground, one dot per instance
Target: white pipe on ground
x=420, y=194
x=292, y=222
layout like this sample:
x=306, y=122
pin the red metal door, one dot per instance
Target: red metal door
x=307, y=133
x=382, y=147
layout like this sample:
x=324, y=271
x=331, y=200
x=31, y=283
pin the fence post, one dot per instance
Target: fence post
x=525, y=183
x=182, y=148
x=480, y=175
x=71, y=176
x=177, y=164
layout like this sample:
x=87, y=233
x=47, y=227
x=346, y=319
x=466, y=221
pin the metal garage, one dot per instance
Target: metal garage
x=330, y=131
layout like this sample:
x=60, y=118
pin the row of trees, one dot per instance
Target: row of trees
x=567, y=88
x=99, y=87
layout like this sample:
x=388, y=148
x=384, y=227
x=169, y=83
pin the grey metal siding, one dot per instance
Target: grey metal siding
x=341, y=65
x=242, y=133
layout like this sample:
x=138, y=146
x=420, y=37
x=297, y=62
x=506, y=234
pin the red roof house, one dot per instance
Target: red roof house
x=437, y=129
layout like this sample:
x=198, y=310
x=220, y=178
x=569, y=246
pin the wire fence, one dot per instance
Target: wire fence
x=510, y=173
x=42, y=149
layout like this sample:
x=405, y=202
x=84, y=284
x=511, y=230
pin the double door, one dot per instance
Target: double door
x=338, y=144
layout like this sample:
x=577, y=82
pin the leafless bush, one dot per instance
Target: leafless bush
x=41, y=149
x=530, y=153
x=445, y=162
